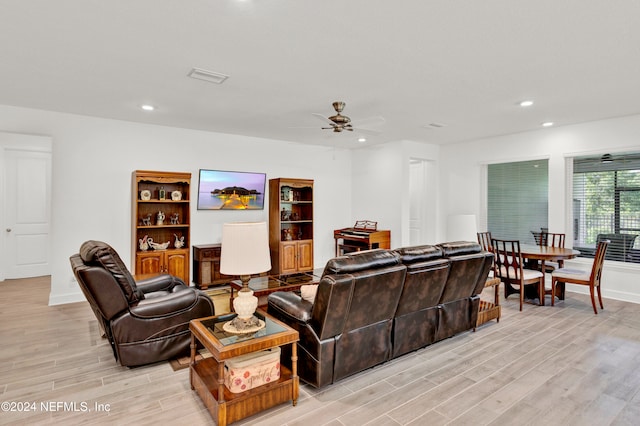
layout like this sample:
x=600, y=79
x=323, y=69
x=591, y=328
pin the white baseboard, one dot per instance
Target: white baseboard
x=61, y=299
x=607, y=294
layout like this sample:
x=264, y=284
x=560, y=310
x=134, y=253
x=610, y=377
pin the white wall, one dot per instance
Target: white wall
x=93, y=159
x=381, y=186
x=462, y=180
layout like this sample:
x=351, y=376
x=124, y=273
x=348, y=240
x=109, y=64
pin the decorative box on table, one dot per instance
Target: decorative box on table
x=248, y=371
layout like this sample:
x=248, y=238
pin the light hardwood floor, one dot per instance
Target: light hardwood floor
x=559, y=365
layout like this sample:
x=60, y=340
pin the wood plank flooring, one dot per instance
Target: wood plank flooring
x=546, y=365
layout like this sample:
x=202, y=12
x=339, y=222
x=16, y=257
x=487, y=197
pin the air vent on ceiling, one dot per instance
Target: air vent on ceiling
x=434, y=125
x=210, y=76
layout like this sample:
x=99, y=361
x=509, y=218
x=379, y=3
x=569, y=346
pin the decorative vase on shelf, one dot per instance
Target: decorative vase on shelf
x=143, y=243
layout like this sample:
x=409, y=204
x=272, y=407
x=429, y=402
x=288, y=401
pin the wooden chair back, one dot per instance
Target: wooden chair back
x=540, y=237
x=598, y=262
x=484, y=239
x=553, y=239
x=508, y=259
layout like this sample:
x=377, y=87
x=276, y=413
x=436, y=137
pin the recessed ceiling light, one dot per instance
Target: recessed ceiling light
x=547, y=124
x=526, y=103
x=148, y=107
x=362, y=140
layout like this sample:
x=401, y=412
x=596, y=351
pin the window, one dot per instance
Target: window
x=606, y=205
x=517, y=199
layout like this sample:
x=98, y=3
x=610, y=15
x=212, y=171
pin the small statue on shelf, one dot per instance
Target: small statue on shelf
x=179, y=242
x=160, y=218
x=286, y=235
x=146, y=221
x=175, y=219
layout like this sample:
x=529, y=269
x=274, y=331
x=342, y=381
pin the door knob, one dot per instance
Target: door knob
x=8, y=229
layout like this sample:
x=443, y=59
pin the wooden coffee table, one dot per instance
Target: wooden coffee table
x=207, y=375
x=263, y=286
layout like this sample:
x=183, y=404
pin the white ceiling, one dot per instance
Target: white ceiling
x=463, y=63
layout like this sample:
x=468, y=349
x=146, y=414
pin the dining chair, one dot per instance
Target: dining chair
x=561, y=276
x=554, y=239
x=484, y=239
x=539, y=237
x=510, y=270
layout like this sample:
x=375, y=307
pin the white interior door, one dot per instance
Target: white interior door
x=27, y=212
x=416, y=209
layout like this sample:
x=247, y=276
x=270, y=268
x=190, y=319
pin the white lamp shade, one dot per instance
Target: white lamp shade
x=462, y=227
x=245, y=248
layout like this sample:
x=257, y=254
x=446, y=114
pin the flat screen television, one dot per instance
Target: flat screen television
x=227, y=190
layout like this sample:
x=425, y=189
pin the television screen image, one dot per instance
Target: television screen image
x=226, y=190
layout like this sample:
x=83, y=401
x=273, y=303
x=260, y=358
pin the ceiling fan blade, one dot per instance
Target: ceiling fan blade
x=366, y=131
x=369, y=121
x=324, y=119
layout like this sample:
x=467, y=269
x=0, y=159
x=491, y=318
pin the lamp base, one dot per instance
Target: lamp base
x=242, y=324
x=231, y=328
x=245, y=305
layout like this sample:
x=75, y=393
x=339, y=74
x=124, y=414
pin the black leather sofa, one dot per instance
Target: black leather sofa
x=376, y=305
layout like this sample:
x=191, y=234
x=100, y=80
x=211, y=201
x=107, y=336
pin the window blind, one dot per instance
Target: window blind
x=517, y=199
x=606, y=205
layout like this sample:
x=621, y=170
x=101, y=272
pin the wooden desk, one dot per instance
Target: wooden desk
x=544, y=253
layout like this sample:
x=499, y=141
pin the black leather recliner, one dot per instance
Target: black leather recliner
x=145, y=321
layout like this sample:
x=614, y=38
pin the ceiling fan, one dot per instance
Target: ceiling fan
x=339, y=123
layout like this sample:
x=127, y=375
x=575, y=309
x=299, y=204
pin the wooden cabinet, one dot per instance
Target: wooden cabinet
x=206, y=266
x=172, y=262
x=291, y=225
x=296, y=256
x=161, y=221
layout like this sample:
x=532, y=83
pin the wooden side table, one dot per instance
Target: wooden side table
x=490, y=309
x=207, y=375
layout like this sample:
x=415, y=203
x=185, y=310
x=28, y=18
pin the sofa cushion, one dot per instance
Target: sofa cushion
x=458, y=248
x=99, y=253
x=360, y=261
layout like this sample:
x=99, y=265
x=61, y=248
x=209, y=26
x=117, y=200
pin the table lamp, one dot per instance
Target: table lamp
x=245, y=251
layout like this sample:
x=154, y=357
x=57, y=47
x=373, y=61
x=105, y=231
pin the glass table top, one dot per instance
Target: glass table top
x=214, y=326
x=277, y=281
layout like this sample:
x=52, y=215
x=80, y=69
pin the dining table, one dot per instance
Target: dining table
x=542, y=254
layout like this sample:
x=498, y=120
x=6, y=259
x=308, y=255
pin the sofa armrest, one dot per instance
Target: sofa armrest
x=289, y=307
x=168, y=304
x=162, y=282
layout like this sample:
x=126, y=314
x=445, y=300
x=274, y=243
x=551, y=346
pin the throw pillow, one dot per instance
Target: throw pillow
x=308, y=292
